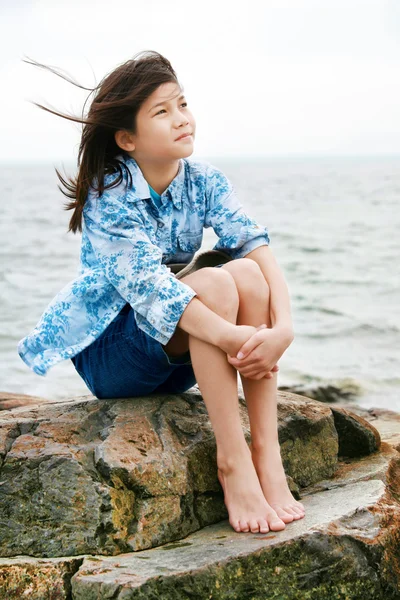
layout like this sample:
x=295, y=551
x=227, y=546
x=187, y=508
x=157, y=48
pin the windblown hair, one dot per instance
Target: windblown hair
x=115, y=104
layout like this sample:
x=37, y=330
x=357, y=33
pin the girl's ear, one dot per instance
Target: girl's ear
x=124, y=140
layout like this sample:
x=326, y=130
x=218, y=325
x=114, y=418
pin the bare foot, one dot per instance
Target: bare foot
x=247, y=507
x=271, y=474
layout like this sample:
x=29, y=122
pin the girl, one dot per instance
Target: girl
x=129, y=325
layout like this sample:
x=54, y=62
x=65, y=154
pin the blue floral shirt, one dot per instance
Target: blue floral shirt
x=127, y=242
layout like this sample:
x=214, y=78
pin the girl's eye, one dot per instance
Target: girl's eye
x=163, y=110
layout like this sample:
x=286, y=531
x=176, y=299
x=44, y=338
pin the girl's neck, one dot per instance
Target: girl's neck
x=159, y=175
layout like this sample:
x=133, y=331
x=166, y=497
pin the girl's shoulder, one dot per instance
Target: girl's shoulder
x=214, y=178
x=120, y=179
x=195, y=163
x=202, y=167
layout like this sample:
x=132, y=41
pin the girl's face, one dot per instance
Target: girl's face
x=161, y=119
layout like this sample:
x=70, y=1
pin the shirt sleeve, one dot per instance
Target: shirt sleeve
x=238, y=232
x=132, y=263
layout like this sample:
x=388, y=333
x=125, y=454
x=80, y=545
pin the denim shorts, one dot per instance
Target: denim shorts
x=124, y=361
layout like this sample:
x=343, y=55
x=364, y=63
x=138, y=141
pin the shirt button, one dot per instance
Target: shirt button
x=70, y=351
x=115, y=307
x=94, y=332
x=160, y=224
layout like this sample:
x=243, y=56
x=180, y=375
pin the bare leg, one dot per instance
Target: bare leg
x=217, y=380
x=261, y=396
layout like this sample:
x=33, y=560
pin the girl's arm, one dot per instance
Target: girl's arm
x=242, y=236
x=279, y=295
x=238, y=232
x=132, y=263
x=201, y=322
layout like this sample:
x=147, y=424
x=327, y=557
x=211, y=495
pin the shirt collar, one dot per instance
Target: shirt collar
x=141, y=187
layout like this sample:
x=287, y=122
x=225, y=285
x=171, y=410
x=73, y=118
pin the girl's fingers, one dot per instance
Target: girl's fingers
x=251, y=370
x=248, y=371
x=249, y=374
x=254, y=374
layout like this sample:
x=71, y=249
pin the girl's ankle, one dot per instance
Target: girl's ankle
x=271, y=446
x=230, y=462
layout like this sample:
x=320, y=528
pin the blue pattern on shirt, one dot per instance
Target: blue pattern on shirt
x=128, y=240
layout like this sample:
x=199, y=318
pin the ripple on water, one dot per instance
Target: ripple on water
x=323, y=310
x=361, y=329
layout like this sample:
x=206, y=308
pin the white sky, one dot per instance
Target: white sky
x=262, y=78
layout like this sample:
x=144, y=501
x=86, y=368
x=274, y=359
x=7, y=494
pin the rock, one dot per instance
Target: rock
x=89, y=476
x=385, y=421
x=37, y=578
x=8, y=400
x=95, y=479
x=347, y=546
x=330, y=392
x=357, y=436
x=307, y=437
x=366, y=468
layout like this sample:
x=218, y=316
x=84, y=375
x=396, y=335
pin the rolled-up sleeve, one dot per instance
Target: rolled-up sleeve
x=133, y=265
x=239, y=233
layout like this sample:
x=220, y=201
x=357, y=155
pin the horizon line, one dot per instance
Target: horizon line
x=233, y=157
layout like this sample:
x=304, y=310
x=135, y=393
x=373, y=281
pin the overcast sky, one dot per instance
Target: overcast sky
x=267, y=78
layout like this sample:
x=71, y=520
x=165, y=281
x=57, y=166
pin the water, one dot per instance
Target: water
x=334, y=225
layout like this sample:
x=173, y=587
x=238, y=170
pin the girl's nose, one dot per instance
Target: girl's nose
x=183, y=122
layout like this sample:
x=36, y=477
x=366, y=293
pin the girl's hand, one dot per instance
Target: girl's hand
x=261, y=353
x=242, y=335
x=238, y=336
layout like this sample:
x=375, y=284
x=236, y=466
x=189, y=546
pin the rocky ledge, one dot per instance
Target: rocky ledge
x=120, y=499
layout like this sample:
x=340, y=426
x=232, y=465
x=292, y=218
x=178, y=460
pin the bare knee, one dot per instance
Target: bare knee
x=249, y=279
x=216, y=288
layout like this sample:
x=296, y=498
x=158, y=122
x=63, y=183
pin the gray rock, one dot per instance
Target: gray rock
x=124, y=475
x=89, y=476
x=356, y=436
x=335, y=551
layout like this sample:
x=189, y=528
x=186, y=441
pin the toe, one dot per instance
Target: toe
x=275, y=523
x=283, y=514
x=244, y=526
x=254, y=526
x=297, y=510
x=236, y=526
x=292, y=512
x=264, y=528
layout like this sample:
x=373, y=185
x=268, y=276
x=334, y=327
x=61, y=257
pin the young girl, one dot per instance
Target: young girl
x=129, y=325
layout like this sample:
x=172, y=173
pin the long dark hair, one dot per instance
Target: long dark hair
x=115, y=104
